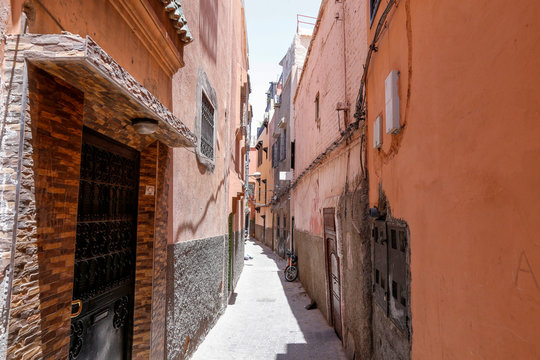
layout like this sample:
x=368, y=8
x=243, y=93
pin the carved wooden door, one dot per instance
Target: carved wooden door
x=102, y=310
x=334, y=282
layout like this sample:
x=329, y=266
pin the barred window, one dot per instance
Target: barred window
x=276, y=151
x=207, y=127
x=283, y=151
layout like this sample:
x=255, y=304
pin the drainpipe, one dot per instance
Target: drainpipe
x=247, y=127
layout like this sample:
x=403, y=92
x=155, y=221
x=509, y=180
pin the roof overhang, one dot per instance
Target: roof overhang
x=112, y=96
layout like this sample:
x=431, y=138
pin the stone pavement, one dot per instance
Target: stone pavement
x=267, y=319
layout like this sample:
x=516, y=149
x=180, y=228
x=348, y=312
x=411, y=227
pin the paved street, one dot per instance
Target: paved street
x=267, y=318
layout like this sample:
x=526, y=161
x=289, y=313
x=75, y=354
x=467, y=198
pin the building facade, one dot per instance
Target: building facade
x=452, y=128
x=281, y=127
x=207, y=216
x=329, y=189
x=264, y=187
x=100, y=243
x=406, y=167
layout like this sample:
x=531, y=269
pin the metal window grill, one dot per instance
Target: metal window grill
x=207, y=128
x=283, y=151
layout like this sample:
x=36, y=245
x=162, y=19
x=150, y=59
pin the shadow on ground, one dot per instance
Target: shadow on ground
x=320, y=343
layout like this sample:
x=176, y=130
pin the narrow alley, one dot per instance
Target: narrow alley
x=266, y=318
x=160, y=158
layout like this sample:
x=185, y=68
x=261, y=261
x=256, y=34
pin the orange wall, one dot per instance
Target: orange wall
x=267, y=174
x=112, y=33
x=464, y=171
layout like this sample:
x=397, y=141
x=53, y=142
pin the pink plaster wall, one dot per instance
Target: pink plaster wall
x=202, y=199
x=324, y=73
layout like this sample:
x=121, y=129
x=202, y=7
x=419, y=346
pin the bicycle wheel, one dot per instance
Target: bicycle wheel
x=291, y=272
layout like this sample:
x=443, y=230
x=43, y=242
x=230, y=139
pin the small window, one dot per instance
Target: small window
x=283, y=150
x=292, y=154
x=207, y=127
x=373, y=6
x=317, y=107
x=276, y=151
x=259, y=156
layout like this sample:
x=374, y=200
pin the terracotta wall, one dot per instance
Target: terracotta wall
x=266, y=174
x=125, y=47
x=462, y=171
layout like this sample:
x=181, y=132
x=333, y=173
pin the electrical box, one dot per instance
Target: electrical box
x=392, y=102
x=377, y=136
x=285, y=175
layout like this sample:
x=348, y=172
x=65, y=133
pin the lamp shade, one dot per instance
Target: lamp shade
x=144, y=126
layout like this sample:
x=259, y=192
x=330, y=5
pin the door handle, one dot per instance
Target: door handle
x=79, y=309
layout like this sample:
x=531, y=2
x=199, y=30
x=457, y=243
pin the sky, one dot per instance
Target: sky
x=271, y=26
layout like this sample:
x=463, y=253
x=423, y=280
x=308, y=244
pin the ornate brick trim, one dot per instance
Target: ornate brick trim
x=176, y=14
x=76, y=59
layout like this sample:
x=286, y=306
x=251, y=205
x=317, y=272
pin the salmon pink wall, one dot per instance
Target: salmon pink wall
x=202, y=199
x=334, y=44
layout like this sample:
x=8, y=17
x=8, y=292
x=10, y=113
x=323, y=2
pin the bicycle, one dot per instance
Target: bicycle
x=291, y=270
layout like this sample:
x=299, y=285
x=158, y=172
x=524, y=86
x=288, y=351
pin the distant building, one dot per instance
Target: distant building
x=328, y=192
x=281, y=128
x=264, y=189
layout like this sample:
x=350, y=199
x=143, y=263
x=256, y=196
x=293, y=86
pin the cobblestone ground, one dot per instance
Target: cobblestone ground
x=267, y=319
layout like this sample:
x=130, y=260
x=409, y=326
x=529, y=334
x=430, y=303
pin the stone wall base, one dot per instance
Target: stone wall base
x=195, y=292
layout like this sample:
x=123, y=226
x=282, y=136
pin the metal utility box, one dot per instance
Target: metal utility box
x=392, y=102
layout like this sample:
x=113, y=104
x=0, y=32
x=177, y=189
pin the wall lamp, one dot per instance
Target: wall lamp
x=144, y=126
x=256, y=175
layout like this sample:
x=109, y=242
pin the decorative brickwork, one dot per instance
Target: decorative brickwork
x=159, y=288
x=44, y=257
x=150, y=276
x=90, y=89
x=109, y=88
x=145, y=243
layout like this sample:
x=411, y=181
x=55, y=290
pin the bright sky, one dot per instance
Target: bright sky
x=271, y=27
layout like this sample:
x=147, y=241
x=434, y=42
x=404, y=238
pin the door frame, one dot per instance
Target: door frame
x=331, y=230
x=105, y=143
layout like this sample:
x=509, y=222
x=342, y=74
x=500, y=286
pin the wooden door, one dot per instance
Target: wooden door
x=333, y=267
x=103, y=288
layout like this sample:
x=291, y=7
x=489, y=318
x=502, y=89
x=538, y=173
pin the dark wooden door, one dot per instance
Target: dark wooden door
x=264, y=230
x=333, y=268
x=102, y=311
